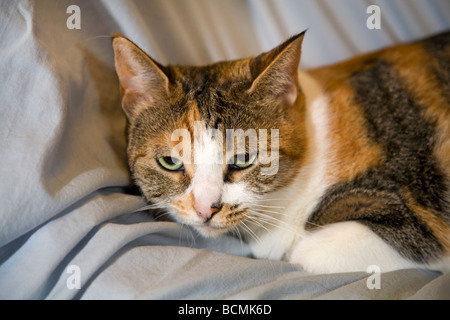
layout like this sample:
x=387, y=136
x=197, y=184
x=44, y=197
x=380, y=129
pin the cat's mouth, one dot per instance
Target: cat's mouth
x=220, y=225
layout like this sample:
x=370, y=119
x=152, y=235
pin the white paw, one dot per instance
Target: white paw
x=346, y=247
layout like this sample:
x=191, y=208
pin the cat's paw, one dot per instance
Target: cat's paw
x=346, y=247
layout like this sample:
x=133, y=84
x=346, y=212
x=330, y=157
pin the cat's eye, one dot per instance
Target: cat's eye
x=171, y=164
x=243, y=161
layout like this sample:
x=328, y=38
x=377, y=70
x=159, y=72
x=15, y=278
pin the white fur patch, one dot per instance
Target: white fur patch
x=207, y=182
x=235, y=193
x=346, y=247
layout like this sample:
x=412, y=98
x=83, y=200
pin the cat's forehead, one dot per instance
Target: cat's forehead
x=219, y=93
x=216, y=75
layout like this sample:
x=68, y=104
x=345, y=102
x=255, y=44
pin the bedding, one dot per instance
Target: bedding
x=70, y=225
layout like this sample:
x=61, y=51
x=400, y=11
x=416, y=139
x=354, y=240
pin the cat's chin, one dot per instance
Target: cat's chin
x=211, y=232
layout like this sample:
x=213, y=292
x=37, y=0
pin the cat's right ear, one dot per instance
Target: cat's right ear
x=142, y=80
x=275, y=73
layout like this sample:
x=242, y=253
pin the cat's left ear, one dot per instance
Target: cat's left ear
x=275, y=73
x=142, y=79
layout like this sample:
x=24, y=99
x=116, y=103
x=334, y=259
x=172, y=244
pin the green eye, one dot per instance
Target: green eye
x=171, y=164
x=243, y=161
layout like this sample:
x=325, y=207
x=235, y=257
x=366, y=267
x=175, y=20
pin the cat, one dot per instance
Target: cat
x=361, y=151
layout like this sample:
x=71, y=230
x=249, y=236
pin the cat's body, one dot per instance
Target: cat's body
x=362, y=162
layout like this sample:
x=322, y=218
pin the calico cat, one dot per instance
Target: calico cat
x=361, y=152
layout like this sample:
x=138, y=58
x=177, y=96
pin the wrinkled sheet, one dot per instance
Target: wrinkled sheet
x=68, y=226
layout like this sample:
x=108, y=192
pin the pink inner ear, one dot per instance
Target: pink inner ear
x=129, y=80
x=291, y=93
x=132, y=87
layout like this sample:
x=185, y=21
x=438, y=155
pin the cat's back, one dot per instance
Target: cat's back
x=391, y=100
x=431, y=55
x=421, y=69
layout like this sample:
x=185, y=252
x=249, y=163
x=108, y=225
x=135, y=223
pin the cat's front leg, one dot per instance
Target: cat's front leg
x=346, y=247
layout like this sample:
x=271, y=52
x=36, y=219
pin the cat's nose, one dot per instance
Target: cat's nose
x=206, y=212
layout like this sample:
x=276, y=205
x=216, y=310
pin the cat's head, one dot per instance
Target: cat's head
x=207, y=143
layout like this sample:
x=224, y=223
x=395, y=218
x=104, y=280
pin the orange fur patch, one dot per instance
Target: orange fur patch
x=352, y=151
x=184, y=204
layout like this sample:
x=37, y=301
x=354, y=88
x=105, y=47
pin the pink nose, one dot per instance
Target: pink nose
x=206, y=212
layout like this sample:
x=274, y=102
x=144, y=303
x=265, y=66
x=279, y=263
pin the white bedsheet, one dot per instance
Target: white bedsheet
x=66, y=206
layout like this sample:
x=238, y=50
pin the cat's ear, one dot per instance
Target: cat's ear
x=142, y=80
x=275, y=73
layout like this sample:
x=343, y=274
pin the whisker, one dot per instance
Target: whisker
x=261, y=214
x=236, y=231
x=263, y=211
x=162, y=215
x=264, y=206
x=257, y=223
x=273, y=221
x=193, y=237
x=251, y=232
x=315, y=224
x=271, y=212
x=270, y=199
x=268, y=211
x=275, y=225
x=180, y=235
x=148, y=207
x=186, y=236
